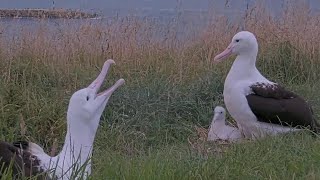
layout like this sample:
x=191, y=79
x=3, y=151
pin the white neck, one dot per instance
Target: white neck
x=77, y=148
x=243, y=66
x=78, y=142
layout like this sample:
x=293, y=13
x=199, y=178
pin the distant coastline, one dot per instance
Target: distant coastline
x=46, y=13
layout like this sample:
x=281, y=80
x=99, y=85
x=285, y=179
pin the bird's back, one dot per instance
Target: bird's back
x=23, y=163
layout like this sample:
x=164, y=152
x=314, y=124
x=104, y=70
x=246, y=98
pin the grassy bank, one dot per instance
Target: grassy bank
x=171, y=86
x=45, y=13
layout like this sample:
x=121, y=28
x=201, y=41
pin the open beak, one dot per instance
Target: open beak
x=226, y=53
x=96, y=84
x=110, y=90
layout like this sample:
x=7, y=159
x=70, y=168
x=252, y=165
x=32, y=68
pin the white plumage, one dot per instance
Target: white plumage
x=271, y=100
x=83, y=116
x=219, y=130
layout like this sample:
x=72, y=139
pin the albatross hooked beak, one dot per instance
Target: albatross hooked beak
x=226, y=53
x=96, y=84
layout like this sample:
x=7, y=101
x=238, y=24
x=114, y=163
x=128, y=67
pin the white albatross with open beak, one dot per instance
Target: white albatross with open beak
x=83, y=116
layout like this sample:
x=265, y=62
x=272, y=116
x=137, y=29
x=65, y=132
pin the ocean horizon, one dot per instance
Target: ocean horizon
x=150, y=7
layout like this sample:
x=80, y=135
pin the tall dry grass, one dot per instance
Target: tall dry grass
x=291, y=38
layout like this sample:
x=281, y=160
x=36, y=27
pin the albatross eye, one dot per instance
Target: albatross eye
x=87, y=98
x=237, y=40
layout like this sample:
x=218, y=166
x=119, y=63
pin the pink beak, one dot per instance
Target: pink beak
x=96, y=84
x=226, y=53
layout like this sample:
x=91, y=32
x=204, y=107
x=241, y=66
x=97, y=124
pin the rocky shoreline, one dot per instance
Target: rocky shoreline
x=45, y=13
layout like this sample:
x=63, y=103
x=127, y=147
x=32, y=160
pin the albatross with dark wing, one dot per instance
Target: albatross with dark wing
x=258, y=105
x=83, y=116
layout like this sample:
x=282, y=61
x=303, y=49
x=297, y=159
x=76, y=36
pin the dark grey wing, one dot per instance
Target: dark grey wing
x=275, y=91
x=21, y=144
x=273, y=104
x=23, y=161
x=8, y=154
x=31, y=162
